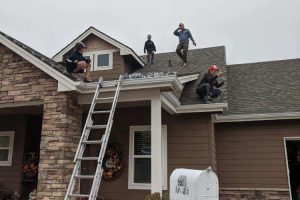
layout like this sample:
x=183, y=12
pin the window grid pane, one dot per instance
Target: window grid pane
x=4, y=141
x=103, y=60
x=4, y=155
x=142, y=143
x=142, y=170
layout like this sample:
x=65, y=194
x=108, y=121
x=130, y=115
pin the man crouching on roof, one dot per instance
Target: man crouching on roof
x=77, y=63
x=209, y=85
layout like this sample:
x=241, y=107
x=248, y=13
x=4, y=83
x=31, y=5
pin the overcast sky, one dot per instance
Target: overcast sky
x=251, y=30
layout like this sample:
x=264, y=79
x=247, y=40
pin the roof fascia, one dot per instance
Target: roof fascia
x=124, y=50
x=217, y=118
x=134, y=84
x=188, y=78
x=62, y=79
x=173, y=105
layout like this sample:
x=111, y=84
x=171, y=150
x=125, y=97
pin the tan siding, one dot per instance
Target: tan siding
x=10, y=177
x=187, y=146
x=251, y=154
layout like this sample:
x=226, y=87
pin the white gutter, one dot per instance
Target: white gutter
x=219, y=118
x=134, y=84
x=172, y=105
x=188, y=78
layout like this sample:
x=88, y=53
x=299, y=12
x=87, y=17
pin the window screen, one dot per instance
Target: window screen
x=103, y=60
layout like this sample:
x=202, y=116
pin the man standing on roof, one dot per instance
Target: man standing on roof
x=209, y=85
x=77, y=63
x=150, y=48
x=184, y=36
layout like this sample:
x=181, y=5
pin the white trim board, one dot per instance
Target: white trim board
x=219, y=118
x=61, y=78
x=124, y=50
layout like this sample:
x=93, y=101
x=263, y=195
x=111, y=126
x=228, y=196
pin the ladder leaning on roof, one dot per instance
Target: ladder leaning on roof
x=84, y=140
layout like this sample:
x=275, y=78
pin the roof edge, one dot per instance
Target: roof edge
x=217, y=118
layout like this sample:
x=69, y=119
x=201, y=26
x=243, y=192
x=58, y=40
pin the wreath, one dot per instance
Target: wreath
x=112, y=162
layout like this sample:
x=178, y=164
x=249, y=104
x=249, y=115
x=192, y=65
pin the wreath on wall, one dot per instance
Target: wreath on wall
x=112, y=162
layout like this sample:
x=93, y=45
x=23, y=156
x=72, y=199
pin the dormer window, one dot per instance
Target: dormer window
x=100, y=60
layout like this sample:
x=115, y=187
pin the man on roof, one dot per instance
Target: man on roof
x=77, y=63
x=184, y=35
x=150, y=48
x=209, y=86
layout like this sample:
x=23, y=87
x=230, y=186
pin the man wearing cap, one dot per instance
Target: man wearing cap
x=77, y=63
x=184, y=35
x=209, y=86
x=150, y=48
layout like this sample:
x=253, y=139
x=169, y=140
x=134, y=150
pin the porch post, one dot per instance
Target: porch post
x=156, y=135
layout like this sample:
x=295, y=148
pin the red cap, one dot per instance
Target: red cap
x=213, y=67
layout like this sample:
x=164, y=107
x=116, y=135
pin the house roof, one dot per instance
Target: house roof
x=125, y=50
x=198, y=62
x=264, y=87
x=48, y=61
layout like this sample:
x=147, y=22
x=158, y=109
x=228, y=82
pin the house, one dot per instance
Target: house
x=249, y=136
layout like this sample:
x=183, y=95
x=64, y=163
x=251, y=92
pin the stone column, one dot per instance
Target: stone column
x=61, y=131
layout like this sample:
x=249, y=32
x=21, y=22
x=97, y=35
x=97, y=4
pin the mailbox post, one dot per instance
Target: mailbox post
x=189, y=184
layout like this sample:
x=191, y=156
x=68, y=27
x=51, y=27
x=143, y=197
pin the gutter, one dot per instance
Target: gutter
x=217, y=118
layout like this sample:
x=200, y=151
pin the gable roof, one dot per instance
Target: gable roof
x=52, y=68
x=198, y=62
x=125, y=50
x=264, y=87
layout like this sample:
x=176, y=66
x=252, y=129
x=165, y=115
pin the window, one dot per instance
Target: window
x=100, y=60
x=6, y=147
x=140, y=157
x=104, y=60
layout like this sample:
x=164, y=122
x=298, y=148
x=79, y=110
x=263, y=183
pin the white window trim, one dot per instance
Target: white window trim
x=110, y=60
x=11, y=134
x=146, y=186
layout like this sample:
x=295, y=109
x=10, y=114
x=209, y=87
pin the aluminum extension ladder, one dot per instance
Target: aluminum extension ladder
x=84, y=140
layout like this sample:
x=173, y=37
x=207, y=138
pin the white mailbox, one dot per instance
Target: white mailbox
x=189, y=184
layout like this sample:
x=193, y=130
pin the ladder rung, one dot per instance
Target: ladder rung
x=85, y=176
x=79, y=195
x=100, y=111
x=92, y=142
x=88, y=158
x=105, y=98
x=97, y=127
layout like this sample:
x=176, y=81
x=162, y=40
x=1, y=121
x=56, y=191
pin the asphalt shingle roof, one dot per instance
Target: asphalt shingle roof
x=59, y=67
x=198, y=62
x=264, y=87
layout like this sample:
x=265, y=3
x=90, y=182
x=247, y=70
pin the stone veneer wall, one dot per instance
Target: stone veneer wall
x=20, y=81
x=253, y=195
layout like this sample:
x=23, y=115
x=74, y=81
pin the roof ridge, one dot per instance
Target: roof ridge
x=263, y=62
x=206, y=48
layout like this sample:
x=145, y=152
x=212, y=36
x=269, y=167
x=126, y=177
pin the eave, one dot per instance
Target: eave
x=219, y=118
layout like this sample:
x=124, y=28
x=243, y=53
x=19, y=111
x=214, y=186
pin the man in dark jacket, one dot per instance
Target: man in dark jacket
x=209, y=86
x=150, y=48
x=77, y=63
x=184, y=35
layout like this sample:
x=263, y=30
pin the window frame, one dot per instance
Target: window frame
x=10, y=148
x=110, y=60
x=146, y=186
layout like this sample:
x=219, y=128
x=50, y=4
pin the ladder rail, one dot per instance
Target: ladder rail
x=80, y=145
x=92, y=107
x=99, y=170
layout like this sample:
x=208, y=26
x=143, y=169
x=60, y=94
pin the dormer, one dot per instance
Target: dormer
x=110, y=58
